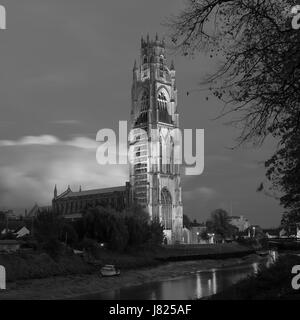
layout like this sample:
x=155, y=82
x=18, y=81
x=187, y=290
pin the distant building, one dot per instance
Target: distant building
x=36, y=209
x=298, y=230
x=6, y=231
x=8, y=214
x=197, y=232
x=239, y=222
x=271, y=233
x=9, y=245
x=21, y=232
x=186, y=235
x=254, y=231
x=283, y=234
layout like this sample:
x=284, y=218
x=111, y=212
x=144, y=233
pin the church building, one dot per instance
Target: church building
x=154, y=178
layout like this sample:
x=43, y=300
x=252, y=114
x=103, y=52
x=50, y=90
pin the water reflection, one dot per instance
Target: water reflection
x=197, y=285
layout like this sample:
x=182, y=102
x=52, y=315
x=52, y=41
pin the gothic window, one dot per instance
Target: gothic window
x=145, y=101
x=144, y=106
x=163, y=110
x=166, y=209
x=161, y=63
x=162, y=101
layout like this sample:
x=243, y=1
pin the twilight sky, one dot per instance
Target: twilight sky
x=66, y=71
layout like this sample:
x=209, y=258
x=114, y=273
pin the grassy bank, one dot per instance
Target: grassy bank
x=271, y=283
x=20, y=266
x=40, y=265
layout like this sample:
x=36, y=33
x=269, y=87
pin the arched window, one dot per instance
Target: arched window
x=166, y=209
x=161, y=63
x=164, y=115
x=162, y=100
x=143, y=111
x=145, y=101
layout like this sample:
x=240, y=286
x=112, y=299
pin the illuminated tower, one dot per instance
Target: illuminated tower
x=154, y=175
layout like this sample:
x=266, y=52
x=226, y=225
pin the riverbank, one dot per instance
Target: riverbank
x=83, y=286
x=32, y=265
x=268, y=284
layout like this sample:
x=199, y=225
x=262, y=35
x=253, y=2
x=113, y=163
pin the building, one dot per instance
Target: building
x=239, y=222
x=22, y=232
x=9, y=245
x=8, y=214
x=72, y=204
x=271, y=233
x=197, y=232
x=154, y=173
x=36, y=209
x=186, y=235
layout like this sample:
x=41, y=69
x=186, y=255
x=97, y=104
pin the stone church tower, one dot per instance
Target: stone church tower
x=154, y=171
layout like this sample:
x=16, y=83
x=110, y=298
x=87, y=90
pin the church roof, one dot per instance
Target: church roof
x=36, y=209
x=70, y=193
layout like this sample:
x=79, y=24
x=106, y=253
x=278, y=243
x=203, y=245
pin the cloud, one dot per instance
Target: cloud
x=201, y=193
x=50, y=140
x=29, y=172
x=30, y=140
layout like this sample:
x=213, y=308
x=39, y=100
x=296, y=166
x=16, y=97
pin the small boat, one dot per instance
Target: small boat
x=109, y=270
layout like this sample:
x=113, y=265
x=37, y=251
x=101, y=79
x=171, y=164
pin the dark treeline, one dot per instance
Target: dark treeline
x=118, y=231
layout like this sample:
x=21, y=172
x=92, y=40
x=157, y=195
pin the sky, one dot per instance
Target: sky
x=66, y=72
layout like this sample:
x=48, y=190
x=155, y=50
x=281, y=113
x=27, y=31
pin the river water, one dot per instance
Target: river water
x=199, y=284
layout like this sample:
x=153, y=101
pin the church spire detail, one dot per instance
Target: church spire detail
x=55, y=191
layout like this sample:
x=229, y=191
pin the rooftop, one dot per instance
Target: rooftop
x=91, y=192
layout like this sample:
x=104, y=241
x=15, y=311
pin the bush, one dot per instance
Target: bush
x=69, y=234
x=53, y=247
x=30, y=266
x=121, y=230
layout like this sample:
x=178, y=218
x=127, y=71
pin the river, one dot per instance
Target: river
x=196, y=285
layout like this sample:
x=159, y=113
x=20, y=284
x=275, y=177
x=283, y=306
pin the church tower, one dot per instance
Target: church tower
x=154, y=171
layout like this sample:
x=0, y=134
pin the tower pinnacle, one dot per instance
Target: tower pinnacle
x=172, y=65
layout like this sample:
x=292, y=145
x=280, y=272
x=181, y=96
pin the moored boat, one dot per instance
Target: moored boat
x=109, y=271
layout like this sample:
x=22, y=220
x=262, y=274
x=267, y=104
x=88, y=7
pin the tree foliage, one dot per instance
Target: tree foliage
x=259, y=76
x=219, y=224
x=186, y=221
x=121, y=230
x=47, y=230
